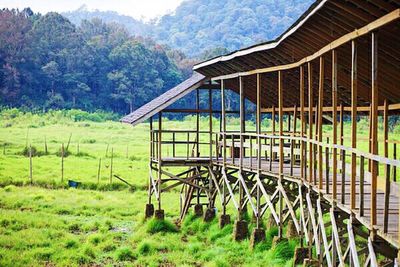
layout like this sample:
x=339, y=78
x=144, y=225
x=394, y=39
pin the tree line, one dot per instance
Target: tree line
x=47, y=62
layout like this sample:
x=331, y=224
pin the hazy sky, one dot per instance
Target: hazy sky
x=146, y=9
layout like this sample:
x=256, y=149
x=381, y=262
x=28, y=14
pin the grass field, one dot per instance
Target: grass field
x=47, y=223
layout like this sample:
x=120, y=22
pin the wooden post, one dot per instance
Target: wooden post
x=310, y=122
x=334, y=123
x=341, y=115
x=30, y=165
x=107, y=150
x=242, y=129
x=354, y=87
x=302, y=172
x=374, y=122
x=197, y=122
x=62, y=162
x=242, y=119
x=151, y=148
x=280, y=100
x=223, y=122
x=98, y=171
x=320, y=110
x=394, y=157
x=362, y=174
x=159, y=158
x=45, y=146
x=111, y=164
x=258, y=130
x=210, y=101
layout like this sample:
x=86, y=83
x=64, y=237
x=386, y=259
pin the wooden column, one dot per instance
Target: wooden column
x=197, y=122
x=211, y=122
x=258, y=130
x=374, y=124
x=242, y=120
x=334, y=123
x=159, y=158
x=354, y=87
x=223, y=122
x=310, y=122
x=223, y=128
x=280, y=100
x=320, y=110
x=302, y=174
x=242, y=129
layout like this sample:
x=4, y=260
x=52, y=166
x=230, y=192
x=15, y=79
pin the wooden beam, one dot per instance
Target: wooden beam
x=210, y=101
x=280, y=92
x=364, y=109
x=223, y=121
x=159, y=158
x=354, y=88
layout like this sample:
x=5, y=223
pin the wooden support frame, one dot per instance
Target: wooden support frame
x=334, y=123
x=354, y=87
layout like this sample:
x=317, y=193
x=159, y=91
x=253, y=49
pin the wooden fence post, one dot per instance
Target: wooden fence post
x=98, y=172
x=111, y=164
x=62, y=162
x=30, y=164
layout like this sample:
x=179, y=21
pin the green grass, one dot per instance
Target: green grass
x=100, y=223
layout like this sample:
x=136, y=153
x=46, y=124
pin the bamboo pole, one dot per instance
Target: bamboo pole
x=223, y=128
x=354, y=88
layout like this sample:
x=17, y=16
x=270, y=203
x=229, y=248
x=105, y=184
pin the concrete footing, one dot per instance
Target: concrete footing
x=300, y=254
x=225, y=219
x=198, y=210
x=149, y=211
x=271, y=222
x=159, y=214
x=240, y=230
x=257, y=236
x=291, y=230
x=311, y=263
x=209, y=215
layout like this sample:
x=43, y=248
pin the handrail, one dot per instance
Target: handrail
x=357, y=152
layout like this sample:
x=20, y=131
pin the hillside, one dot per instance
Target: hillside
x=198, y=26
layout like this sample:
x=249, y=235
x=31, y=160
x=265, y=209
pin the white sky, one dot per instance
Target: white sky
x=145, y=9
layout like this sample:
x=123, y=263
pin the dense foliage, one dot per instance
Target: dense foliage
x=199, y=25
x=47, y=62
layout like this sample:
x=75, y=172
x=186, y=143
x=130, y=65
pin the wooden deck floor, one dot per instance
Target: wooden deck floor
x=250, y=164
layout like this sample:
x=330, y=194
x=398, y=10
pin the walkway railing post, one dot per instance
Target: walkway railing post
x=302, y=171
x=280, y=98
x=320, y=110
x=354, y=85
x=310, y=122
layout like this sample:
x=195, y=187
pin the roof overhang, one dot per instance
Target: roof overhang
x=267, y=45
x=158, y=104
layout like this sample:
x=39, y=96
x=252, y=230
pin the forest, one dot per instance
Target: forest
x=49, y=63
x=100, y=60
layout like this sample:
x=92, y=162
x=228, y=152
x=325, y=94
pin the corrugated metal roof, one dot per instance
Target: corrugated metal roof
x=153, y=107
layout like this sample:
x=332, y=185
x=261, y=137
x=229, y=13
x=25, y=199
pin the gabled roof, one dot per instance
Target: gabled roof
x=164, y=100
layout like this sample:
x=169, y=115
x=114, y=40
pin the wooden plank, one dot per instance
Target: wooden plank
x=354, y=87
